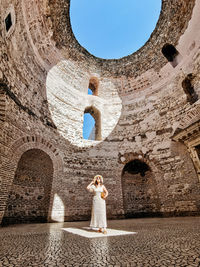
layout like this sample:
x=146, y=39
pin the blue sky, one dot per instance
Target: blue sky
x=112, y=29
x=89, y=122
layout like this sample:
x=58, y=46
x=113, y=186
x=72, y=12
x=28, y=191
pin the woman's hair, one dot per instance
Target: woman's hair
x=95, y=179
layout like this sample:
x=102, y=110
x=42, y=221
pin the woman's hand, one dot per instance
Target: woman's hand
x=105, y=192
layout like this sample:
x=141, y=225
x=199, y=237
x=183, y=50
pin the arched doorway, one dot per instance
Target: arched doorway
x=140, y=197
x=29, y=197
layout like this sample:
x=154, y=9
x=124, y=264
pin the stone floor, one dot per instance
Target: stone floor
x=151, y=242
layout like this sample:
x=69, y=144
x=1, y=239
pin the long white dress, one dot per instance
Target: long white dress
x=98, y=216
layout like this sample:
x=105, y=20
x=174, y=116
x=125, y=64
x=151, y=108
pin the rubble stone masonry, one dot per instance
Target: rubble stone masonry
x=45, y=165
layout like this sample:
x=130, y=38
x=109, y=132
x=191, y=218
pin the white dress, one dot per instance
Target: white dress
x=98, y=216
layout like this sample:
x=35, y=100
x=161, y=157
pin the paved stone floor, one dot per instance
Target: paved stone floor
x=155, y=242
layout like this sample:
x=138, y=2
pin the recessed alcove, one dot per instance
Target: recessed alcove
x=188, y=88
x=29, y=197
x=140, y=196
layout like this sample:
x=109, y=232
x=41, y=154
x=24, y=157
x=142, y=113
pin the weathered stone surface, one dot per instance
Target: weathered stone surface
x=141, y=100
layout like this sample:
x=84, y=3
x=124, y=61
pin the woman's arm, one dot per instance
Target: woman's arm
x=105, y=191
x=89, y=186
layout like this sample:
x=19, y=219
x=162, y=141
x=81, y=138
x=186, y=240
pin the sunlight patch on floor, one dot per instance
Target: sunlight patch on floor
x=91, y=233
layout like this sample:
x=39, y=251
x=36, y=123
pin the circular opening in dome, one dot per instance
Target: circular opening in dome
x=115, y=28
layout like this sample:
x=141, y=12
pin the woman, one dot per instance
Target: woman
x=98, y=217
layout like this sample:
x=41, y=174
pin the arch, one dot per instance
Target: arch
x=95, y=113
x=172, y=55
x=188, y=88
x=29, y=197
x=94, y=85
x=14, y=154
x=139, y=190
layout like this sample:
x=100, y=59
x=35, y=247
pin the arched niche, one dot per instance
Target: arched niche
x=140, y=197
x=188, y=88
x=29, y=197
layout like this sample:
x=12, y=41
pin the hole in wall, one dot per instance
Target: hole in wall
x=88, y=127
x=136, y=167
x=95, y=123
x=171, y=54
x=8, y=22
x=93, y=85
x=90, y=91
x=68, y=100
x=113, y=29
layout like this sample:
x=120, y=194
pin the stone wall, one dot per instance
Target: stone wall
x=29, y=198
x=141, y=100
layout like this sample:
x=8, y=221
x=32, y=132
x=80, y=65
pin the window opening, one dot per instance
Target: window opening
x=8, y=22
x=171, y=54
x=93, y=86
x=90, y=91
x=113, y=29
x=88, y=127
x=92, y=124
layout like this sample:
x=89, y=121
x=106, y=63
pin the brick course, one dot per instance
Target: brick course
x=141, y=100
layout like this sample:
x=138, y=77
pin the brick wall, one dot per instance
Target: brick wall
x=143, y=97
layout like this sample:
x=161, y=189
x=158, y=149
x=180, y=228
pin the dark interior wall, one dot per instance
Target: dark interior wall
x=140, y=195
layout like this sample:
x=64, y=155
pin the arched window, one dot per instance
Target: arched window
x=188, y=88
x=93, y=86
x=92, y=126
x=171, y=54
